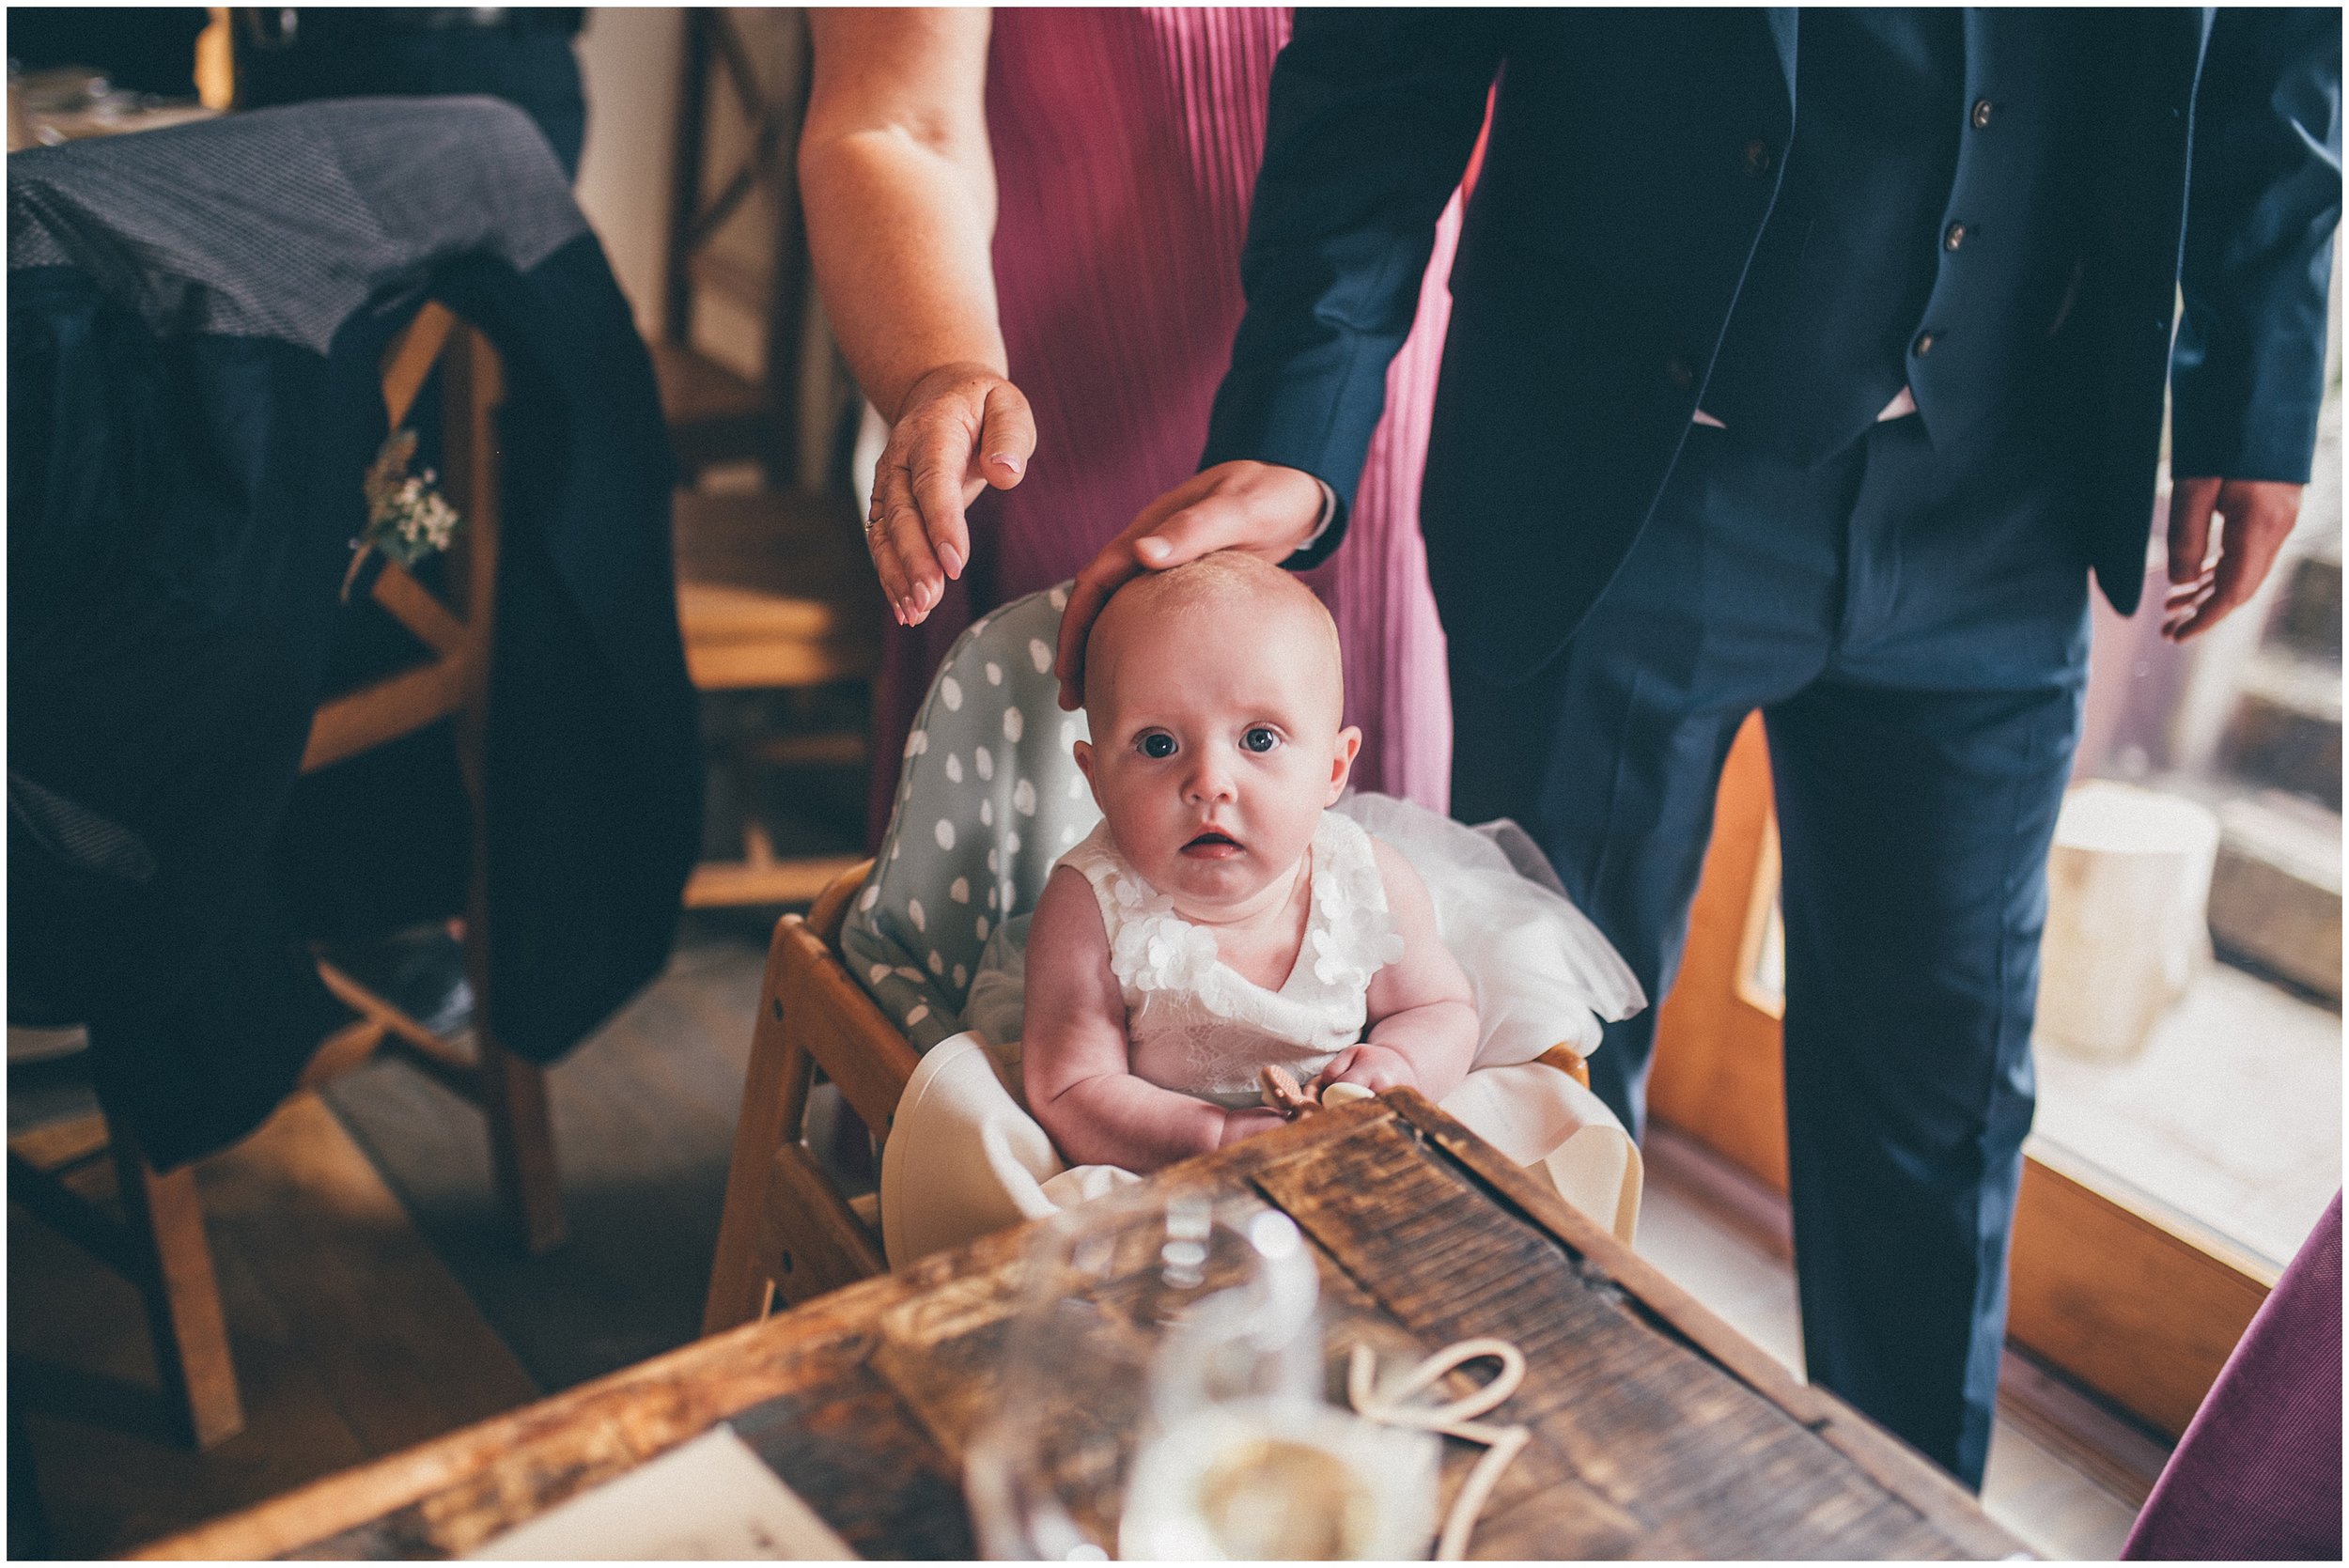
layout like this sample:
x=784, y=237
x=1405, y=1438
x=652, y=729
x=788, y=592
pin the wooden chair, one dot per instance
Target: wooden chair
x=774, y=591
x=773, y=587
x=76, y=1175
x=455, y=683
x=734, y=235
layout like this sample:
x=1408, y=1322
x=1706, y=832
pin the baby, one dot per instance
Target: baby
x=1221, y=920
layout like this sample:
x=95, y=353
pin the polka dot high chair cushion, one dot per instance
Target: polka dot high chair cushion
x=988, y=798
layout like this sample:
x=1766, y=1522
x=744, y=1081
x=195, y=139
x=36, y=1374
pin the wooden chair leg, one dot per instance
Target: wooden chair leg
x=183, y=1292
x=812, y=1241
x=774, y=1105
x=521, y=1145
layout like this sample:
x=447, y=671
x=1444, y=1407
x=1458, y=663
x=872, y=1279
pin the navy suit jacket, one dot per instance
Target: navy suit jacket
x=1608, y=233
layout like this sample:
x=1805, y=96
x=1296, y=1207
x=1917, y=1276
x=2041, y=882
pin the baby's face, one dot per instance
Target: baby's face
x=1216, y=745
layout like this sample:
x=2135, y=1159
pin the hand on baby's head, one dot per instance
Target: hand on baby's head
x=1225, y=591
x=1216, y=698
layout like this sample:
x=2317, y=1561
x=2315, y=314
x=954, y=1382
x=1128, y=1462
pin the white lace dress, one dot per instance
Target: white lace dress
x=1195, y=1023
x=964, y=1157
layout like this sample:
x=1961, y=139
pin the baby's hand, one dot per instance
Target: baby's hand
x=1376, y=1068
x=1280, y=1093
x=1246, y=1123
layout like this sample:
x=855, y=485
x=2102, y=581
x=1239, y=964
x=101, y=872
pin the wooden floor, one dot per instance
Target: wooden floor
x=351, y=1340
x=644, y=1124
x=372, y=1299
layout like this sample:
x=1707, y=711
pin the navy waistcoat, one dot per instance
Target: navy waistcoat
x=1914, y=228
x=1633, y=159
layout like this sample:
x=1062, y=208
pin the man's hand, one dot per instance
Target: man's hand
x=2256, y=515
x=961, y=428
x=1259, y=508
x=1376, y=1068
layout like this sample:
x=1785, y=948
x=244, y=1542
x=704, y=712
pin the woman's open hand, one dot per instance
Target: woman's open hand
x=961, y=428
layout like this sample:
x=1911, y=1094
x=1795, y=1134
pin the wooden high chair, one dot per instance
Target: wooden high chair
x=788, y=1233
x=76, y=1175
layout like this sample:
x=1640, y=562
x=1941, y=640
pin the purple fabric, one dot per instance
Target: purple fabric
x=1126, y=142
x=2258, y=1472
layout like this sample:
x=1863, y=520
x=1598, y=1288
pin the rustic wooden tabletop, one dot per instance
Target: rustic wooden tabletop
x=1658, y=1430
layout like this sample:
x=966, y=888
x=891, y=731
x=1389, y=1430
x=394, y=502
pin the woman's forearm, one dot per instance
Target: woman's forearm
x=899, y=185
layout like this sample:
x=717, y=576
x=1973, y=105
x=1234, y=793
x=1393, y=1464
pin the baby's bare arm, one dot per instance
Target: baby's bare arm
x=1073, y=1058
x=1423, y=1017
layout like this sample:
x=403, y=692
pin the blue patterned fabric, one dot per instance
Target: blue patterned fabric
x=988, y=799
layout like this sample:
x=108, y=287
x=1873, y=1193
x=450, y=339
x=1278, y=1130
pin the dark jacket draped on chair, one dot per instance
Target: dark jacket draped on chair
x=196, y=321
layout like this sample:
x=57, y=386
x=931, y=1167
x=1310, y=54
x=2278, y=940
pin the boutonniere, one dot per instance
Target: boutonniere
x=407, y=518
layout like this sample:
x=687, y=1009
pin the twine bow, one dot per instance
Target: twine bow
x=1397, y=1408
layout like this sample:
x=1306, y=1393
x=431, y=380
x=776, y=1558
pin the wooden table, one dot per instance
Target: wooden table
x=1659, y=1430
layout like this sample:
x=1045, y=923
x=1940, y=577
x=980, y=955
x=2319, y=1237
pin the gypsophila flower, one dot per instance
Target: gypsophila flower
x=407, y=518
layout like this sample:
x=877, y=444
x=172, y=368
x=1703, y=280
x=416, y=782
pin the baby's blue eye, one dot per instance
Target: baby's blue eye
x=1259, y=739
x=1158, y=744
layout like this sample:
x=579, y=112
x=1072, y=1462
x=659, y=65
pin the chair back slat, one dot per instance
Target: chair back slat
x=411, y=604
x=383, y=711
x=456, y=680
x=411, y=358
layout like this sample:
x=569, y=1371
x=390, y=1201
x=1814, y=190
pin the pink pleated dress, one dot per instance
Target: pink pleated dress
x=1125, y=146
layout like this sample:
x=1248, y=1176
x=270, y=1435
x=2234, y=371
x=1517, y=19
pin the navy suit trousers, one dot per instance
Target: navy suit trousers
x=1913, y=624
